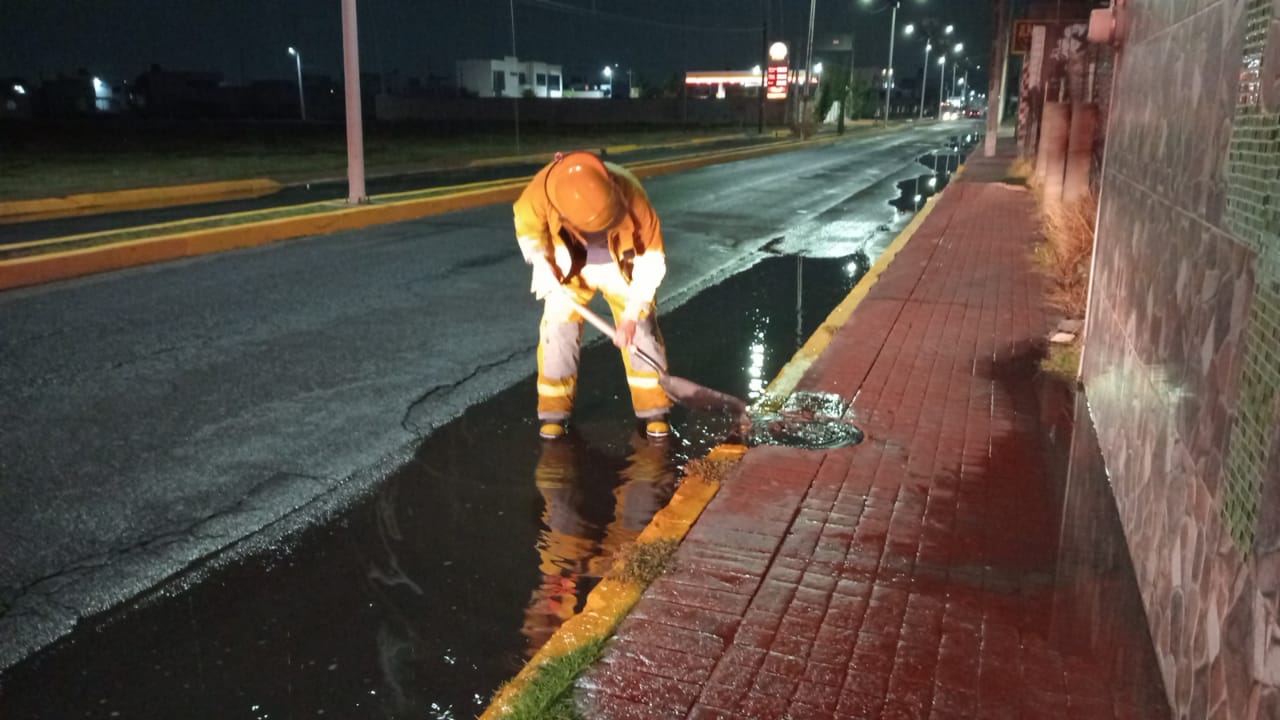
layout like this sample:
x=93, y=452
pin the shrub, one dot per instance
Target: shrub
x=1066, y=252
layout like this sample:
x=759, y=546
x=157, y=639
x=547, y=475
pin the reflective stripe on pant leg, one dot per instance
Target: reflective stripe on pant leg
x=648, y=399
x=559, y=341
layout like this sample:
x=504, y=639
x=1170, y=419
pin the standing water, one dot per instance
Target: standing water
x=423, y=597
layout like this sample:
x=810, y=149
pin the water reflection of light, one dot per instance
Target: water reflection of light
x=755, y=370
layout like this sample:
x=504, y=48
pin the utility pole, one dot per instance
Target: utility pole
x=355, y=120
x=515, y=102
x=764, y=65
x=847, y=103
x=888, y=84
x=808, y=70
x=924, y=75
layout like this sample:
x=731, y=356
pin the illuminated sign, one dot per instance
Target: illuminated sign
x=777, y=82
x=778, y=52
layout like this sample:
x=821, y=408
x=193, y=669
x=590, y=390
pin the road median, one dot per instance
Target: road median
x=14, y=211
x=26, y=264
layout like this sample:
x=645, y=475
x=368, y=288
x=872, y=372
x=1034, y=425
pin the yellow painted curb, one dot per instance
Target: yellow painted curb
x=611, y=600
x=60, y=265
x=13, y=211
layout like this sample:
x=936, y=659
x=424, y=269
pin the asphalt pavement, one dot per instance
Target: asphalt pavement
x=191, y=412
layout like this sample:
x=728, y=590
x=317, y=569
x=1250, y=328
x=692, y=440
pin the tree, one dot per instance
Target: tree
x=860, y=95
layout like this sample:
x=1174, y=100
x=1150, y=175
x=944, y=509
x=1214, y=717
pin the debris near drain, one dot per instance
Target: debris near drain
x=643, y=562
x=709, y=469
x=1062, y=338
x=811, y=420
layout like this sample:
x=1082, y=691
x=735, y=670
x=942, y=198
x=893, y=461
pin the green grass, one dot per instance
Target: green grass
x=1063, y=361
x=549, y=694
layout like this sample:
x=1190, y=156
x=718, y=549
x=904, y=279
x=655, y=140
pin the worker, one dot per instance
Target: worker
x=586, y=225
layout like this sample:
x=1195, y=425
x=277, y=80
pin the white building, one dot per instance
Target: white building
x=510, y=77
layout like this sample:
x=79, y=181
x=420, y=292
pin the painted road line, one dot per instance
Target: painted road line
x=15, y=211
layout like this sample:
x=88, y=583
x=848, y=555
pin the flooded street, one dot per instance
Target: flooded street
x=422, y=598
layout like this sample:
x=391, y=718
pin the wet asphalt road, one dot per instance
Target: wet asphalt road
x=205, y=409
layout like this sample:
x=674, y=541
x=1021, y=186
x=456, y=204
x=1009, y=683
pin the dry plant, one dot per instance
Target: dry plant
x=1066, y=252
x=1021, y=172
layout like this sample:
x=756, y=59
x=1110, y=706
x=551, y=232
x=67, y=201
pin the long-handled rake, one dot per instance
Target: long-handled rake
x=686, y=392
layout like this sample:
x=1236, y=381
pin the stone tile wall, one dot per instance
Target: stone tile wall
x=1179, y=366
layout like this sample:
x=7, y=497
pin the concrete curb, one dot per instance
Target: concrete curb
x=61, y=265
x=610, y=602
x=13, y=211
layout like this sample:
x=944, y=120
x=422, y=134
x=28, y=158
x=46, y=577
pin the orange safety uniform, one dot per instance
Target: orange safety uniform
x=628, y=279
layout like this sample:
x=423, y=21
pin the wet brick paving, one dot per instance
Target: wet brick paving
x=911, y=576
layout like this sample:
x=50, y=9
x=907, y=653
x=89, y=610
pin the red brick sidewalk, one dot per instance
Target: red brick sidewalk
x=907, y=577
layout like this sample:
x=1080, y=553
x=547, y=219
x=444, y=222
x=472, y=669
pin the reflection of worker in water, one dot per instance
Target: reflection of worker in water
x=593, y=505
x=587, y=225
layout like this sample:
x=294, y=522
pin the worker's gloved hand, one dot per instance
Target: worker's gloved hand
x=544, y=279
x=624, y=335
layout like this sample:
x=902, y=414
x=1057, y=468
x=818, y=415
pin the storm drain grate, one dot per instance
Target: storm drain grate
x=810, y=420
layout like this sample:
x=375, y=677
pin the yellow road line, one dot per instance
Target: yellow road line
x=12, y=211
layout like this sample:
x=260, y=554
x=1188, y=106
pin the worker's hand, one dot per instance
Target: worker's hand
x=624, y=335
x=544, y=279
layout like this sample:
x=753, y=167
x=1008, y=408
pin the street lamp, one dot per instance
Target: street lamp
x=18, y=89
x=924, y=77
x=910, y=29
x=893, y=33
x=817, y=69
x=302, y=98
x=955, y=67
x=608, y=74
x=942, y=83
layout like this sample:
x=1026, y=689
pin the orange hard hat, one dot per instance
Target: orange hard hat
x=581, y=189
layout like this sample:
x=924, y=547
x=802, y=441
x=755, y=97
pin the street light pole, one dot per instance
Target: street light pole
x=955, y=68
x=942, y=83
x=515, y=102
x=302, y=98
x=808, y=69
x=924, y=76
x=893, y=32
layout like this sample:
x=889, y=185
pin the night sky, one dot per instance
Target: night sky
x=248, y=39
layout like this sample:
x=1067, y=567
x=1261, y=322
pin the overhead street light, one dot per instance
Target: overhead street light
x=608, y=74
x=924, y=77
x=302, y=98
x=18, y=89
x=942, y=84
